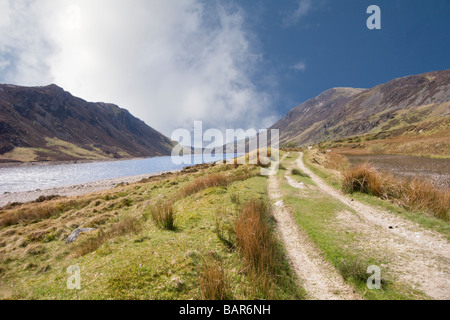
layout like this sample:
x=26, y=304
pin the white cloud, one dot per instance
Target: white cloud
x=168, y=62
x=300, y=66
x=303, y=8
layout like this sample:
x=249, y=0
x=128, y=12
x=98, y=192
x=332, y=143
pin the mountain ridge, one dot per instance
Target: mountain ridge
x=48, y=123
x=344, y=112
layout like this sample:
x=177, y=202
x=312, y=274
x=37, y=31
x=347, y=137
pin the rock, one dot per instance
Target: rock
x=74, y=236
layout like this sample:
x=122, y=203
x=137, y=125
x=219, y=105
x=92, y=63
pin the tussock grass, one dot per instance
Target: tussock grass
x=364, y=179
x=235, y=199
x=412, y=194
x=39, y=211
x=213, y=180
x=300, y=173
x=225, y=231
x=336, y=161
x=213, y=281
x=353, y=269
x=257, y=244
x=254, y=237
x=124, y=226
x=163, y=214
x=422, y=195
x=216, y=180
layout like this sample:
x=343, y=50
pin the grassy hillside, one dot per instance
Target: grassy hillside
x=203, y=254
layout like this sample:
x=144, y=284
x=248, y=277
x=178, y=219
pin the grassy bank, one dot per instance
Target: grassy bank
x=133, y=255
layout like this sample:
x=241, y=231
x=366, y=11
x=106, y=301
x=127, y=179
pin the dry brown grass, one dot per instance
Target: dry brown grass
x=254, y=237
x=364, y=179
x=216, y=180
x=412, y=194
x=422, y=195
x=213, y=281
x=124, y=226
x=336, y=161
x=163, y=214
x=39, y=211
x=213, y=180
x=257, y=245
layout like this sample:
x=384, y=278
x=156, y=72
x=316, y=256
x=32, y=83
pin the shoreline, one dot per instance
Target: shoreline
x=17, y=164
x=75, y=189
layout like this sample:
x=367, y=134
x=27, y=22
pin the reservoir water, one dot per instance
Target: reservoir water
x=44, y=176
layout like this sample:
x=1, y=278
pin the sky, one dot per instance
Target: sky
x=231, y=64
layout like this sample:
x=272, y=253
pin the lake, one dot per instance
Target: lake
x=45, y=176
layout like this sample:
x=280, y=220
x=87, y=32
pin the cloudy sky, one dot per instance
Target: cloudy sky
x=232, y=64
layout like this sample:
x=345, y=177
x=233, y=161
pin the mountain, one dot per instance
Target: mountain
x=48, y=123
x=400, y=104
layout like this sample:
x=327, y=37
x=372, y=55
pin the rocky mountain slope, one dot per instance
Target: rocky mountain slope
x=48, y=123
x=344, y=112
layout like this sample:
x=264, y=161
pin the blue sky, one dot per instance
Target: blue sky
x=336, y=48
x=232, y=64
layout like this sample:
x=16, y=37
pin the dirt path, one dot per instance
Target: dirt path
x=319, y=278
x=421, y=257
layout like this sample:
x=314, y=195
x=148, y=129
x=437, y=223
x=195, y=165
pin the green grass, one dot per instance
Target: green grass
x=316, y=214
x=152, y=263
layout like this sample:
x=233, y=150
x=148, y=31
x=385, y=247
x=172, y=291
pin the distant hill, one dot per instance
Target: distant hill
x=48, y=123
x=401, y=104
